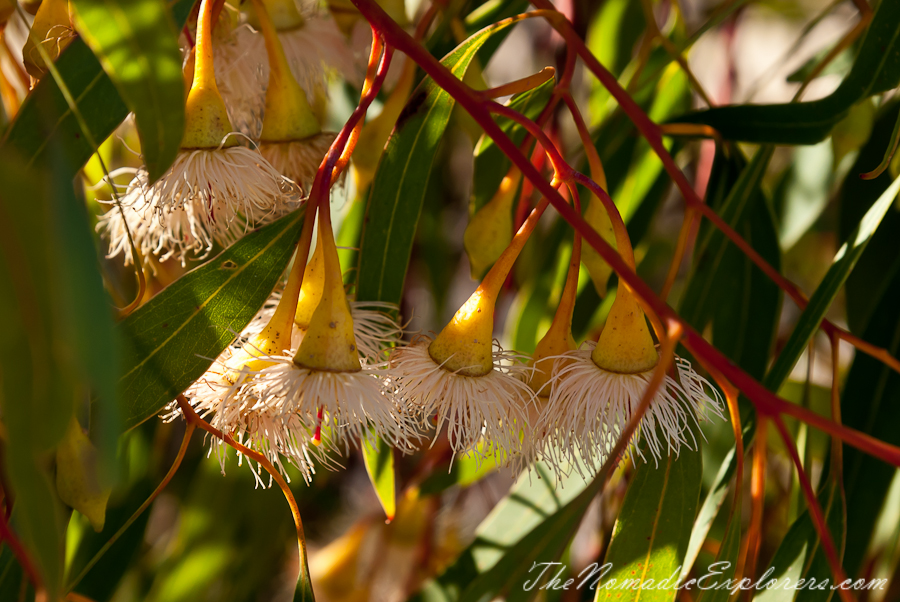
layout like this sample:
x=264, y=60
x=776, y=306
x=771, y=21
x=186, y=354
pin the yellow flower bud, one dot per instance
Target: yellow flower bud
x=464, y=346
x=490, y=230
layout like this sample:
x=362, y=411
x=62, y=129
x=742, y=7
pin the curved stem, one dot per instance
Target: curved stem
x=188, y=431
x=287, y=305
x=623, y=241
x=570, y=289
x=278, y=63
x=684, y=236
x=191, y=416
x=339, y=153
x=524, y=84
x=496, y=276
x=598, y=174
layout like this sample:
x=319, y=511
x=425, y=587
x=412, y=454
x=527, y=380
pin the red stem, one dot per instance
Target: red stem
x=765, y=401
x=7, y=535
x=327, y=173
x=815, y=511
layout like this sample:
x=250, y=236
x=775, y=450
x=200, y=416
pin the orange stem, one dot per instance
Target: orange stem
x=191, y=416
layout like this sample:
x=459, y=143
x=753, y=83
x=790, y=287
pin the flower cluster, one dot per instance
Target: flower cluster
x=316, y=371
x=253, y=137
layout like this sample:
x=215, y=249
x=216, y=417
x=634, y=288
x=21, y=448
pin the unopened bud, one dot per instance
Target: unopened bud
x=490, y=230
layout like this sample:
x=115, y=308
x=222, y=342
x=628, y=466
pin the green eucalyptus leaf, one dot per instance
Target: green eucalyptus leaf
x=800, y=555
x=727, y=558
x=877, y=265
x=831, y=284
x=379, y=460
x=876, y=69
x=870, y=402
x=873, y=294
x=651, y=535
x=38, y=388
x=172, y=340
x=137, y=44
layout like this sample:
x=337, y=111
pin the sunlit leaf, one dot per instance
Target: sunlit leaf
x=379, y=461
x=651, y=534
x=136, y=43
x=172, y=339
x=532, y=524
x=45, y=119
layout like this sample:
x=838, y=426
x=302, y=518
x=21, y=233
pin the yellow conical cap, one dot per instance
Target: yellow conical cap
x=625, y=344
x=312, y=287
x=464, y=345
x=329, y=343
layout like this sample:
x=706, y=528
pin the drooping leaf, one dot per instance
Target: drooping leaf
x=39, y=387
x=651, y=534
x=100, y=582
x=137, y=45
x=727, y=558
x=171, y=340
x=726, y=290
x=870, y=402
x=876, y=266
x=873, y=294
x=831, y=284
x=45, y=119
x=876, y=69
x=379, y=460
